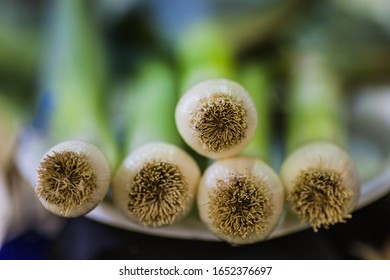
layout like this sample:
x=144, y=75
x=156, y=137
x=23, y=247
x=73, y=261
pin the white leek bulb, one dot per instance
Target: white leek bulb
x=72, y=179
x=156, y=184
x=240, y=199
x=216, y=118
x=322, y=184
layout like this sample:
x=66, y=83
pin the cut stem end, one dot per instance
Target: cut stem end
x=320, y=198
x=157, y=194
x=66, y=180
x=240, y=206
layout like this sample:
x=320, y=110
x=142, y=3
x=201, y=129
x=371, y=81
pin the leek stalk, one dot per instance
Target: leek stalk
x=74, y=80
x=204, y=52
x=150, y=106
x=315, y=108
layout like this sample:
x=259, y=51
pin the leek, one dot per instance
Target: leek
x=156, y=183
x=240, y=199
x=320, y=178
x=73, y=175
x=216, y=116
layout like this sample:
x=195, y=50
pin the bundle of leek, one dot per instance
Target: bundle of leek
x=73, y=176
x=320, y=177
x=156, y=183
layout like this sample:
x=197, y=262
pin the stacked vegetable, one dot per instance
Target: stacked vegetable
x=320, y=177
x=74, y=175
x=197, y=131
x=156, y=183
